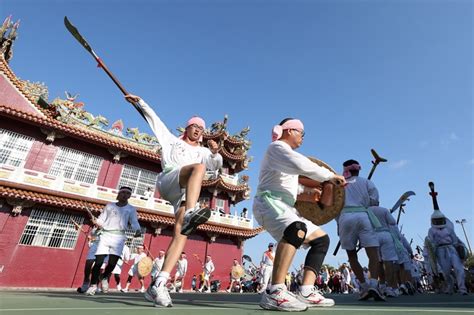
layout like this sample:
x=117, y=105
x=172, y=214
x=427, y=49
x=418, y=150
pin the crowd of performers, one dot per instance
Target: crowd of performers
x=362, y=223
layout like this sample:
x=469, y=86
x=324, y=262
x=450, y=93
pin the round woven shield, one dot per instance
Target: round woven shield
x=144, y=266
x=317, y=213
x=237, y=272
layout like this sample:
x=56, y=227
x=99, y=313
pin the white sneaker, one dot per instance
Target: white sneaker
x=142, y=290
x=105, y=285
x=390, y=292
x=364, y=292
x=119, y=287
x=162, y=298
x=194, y=218
x=228, y=290
x=124, y=290
x=374, y=290
x=282, y=300
x=180, y=291
x=91, y=290
x=150, y=294
x=315, y=299
x=208, y=291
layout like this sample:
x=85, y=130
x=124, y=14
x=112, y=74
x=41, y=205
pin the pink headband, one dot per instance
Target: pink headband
x=195, y=121
x=277, y=130
x=348, y=169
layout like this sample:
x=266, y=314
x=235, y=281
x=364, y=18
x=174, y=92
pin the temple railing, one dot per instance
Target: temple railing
x=58, y=184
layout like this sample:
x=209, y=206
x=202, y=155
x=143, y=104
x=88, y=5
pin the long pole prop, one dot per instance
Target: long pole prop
x=377, y=160
x=75, y=32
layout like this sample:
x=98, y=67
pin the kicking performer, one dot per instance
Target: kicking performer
x=184, y=162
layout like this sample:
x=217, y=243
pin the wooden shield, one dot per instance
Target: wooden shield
x=144, y=266
x=308, y=205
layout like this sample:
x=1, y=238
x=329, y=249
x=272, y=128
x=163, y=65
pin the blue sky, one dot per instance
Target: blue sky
x=395, y=76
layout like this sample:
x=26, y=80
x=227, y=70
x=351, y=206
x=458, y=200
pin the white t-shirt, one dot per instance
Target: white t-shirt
x=209, y=267
x=267, y=258
x=114, y=217
x=176, y=152
x=281, y=166
x=360, y=192
x=182, y=266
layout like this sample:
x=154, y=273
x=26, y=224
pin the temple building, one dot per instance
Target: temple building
x=57, y=161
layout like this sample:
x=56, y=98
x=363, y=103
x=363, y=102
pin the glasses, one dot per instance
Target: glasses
x=195, y=126
x=301, y=132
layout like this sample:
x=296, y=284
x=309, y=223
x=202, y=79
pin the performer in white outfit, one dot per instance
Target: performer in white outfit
x=267, y=267
x=112, y=222
x=181, y=269
x=118, y=267
x=444, y=240
x=357, y=223
x=184, y=162
x=274, y=209
x=208, y=269
x=157, y=264
x=387, y=251
x=133, y=271
x=93, y=241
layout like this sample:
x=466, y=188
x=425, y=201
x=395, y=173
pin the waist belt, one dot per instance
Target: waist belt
x=271, y=196
x=373, y=219
x=115, y=232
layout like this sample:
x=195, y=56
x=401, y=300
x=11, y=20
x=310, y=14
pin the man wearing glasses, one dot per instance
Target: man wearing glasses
x=274, y=209
x=184, y=162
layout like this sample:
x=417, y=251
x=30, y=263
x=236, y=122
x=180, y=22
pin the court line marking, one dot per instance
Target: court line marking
x=336, y=309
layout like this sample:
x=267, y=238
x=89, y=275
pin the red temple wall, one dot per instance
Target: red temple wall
x=10, y=96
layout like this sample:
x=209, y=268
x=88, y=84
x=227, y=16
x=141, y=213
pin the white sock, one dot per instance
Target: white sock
x=306, y=289
x=162, y=278
x=273, y=287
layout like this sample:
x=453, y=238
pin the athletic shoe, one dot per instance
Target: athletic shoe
x=142, y=290
x=162, y=298
x=403, y=289
x=374, y=291
x=314, y=299
x=364, y=294
x=180, y=291
x=119, y=287
x=194, y=218
x=208, y=291
x=390, y=292
x=150, y=294
x=83, y=288
x=105, y=285
x=282, y=300
x=91, y=290
x=124, y=290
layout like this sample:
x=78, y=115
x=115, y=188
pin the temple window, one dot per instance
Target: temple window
x=76, y=165
x=220, y=205
x=138, y=179
x=50, y=228
x=14, y=147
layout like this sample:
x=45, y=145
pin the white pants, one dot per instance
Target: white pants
x=266, y=276
x=448, y=258
x=276, y=219
x=387, y=250
x=169, y=188
x=356, y=226
x=111, y=244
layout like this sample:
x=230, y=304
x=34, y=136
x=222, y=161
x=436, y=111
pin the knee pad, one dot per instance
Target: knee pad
x=295, y=233
x=317, y=252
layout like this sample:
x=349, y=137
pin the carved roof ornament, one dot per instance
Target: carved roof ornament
x=36, y=90
x=8, y=34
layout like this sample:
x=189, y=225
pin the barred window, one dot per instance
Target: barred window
x=133, y=242
x=77, y=165
x=137, y=178
x=14, y=147
x=51, y=228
